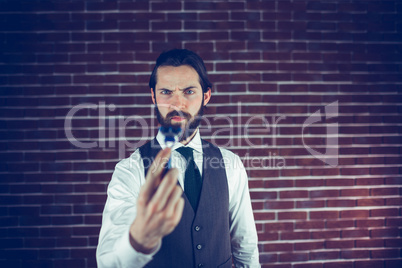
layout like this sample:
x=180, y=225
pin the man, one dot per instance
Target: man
x=148, y=220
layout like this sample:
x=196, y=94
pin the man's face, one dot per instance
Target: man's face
x=178, y=98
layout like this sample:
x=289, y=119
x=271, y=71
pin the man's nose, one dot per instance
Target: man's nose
x=178, y=102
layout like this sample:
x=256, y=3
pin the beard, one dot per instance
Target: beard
x=191, y=125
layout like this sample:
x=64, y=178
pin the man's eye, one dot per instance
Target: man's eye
x=166, y=92
x=189, y=92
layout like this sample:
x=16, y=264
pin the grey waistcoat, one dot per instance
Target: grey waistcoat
x=201, y=239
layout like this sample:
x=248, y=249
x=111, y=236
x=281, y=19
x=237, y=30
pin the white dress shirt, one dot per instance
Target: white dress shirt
x=114, y=248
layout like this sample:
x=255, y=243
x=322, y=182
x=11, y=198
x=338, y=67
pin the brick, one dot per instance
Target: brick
x=340, y=182
x=177, y=36
x=56, y=209
x=325, y=234
x=269, y=258
x=309, y=183
x=278, y=183
x=355, y=192
x=90, y=208
x=393, y=201
x=371, y=202
x=310, y=225
x=221, y=35
x=384, y=212
x=56, y=232
x=85, y=231
x=354, y=214
x=11, y=243
x=309, y=245
x=277, y=55
x=392, y=242
x=238, y=56
x=324, y=255
x=323, y=214
x=284, y=257
x=355, y=171
x=199, y=46
x=57, y=188
x=230, y=66
x=279, y=204
x=275, y=247
x=393, y=221
x=23, y=232
x=68, y=242
x=133, y=6
x=96, y=219
x=245, y=35
x=384, y=232
x=370, y=223
x=165, y=6
x=25, y=188
x=355, y=254
x=340, y=223
x=267, y=236
x=294, y=172
x=21, y=254
x=324, y=193
x=355, y=233
x=384, y=191
x=370, y=243
x=264, y=216
x=293, y=194
x=310, y=204
x=295, y=235
x=292, y=215
x=339, y=244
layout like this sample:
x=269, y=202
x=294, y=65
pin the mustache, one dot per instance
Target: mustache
x=178, y=113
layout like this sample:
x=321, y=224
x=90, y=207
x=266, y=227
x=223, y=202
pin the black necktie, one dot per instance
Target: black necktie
x=192, y=179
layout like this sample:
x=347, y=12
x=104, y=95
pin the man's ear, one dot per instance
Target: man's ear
x=207, y=96
x=153, y=95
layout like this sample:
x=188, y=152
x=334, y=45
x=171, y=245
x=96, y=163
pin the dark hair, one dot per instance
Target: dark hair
x=178, y=57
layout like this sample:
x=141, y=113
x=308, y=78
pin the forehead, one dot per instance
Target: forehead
x=176, y=76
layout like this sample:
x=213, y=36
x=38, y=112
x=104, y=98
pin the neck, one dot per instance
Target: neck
x=186, y=141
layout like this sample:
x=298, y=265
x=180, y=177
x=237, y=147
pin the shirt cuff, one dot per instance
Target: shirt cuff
x=128, y=255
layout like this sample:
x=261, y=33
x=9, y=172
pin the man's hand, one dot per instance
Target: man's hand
x=159, y=206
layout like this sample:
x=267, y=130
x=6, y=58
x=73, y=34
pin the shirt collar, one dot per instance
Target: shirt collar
x=195, y=142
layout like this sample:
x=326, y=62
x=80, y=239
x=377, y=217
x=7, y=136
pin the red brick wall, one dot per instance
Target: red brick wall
x=273, y=64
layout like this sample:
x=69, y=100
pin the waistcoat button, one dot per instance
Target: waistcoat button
x=199, y=247
x=197, y=228
x=200, y=265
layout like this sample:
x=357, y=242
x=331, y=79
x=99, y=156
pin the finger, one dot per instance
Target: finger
x=164, y=191
x=178, y=212
x=174, y=198
x=152, y=178
x=159, y=163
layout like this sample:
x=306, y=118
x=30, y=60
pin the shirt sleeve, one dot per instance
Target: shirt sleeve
x=244, y=240
x=114, y=248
